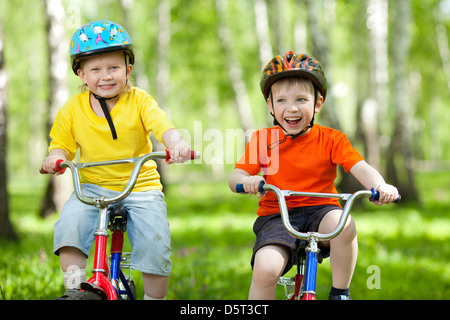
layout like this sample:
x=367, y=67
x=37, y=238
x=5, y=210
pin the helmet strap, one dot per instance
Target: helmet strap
x=102, y=101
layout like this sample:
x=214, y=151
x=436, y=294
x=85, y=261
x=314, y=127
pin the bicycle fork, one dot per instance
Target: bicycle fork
x=105, y=281
x=99, y=282
x=312, y=251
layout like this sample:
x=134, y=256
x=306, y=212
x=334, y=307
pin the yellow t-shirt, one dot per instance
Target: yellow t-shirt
x=135, y=115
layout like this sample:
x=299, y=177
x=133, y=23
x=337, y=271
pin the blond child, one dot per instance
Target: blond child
x=109, y=120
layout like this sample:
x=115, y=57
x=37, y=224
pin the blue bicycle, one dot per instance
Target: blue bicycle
x=303, y=285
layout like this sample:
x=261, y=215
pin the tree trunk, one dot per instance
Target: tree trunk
x=444, y=52
x=362, y=82
x=59, y=187
x=234, y=69
x=6, y=228
x=163, y=76
x=262, y=32
x=374, y=108
x=300, y=27
x=163, y=83
x=399, y=158
x=319, y=50
x=139, y=74
x=263, y=35
x=442, y=40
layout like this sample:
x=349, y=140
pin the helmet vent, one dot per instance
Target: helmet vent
x=288, y=61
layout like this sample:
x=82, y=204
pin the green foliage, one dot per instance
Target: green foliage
x=199, y=70
x=211, y=228
x=212, y=241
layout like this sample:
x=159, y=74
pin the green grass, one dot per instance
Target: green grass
x=212, y=241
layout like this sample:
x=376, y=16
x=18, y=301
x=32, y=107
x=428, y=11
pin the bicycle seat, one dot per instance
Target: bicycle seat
x=301, y=244
x=118, y=218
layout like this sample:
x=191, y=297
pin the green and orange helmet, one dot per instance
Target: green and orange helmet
x=293, y=65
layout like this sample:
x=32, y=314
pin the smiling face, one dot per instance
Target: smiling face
x=106, y=74
x=293, y=104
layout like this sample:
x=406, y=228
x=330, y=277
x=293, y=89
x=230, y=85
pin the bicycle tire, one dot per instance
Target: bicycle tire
x=79, y=295
x=132, y=288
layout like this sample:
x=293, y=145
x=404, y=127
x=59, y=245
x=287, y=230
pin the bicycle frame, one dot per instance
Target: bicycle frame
x=99, y=282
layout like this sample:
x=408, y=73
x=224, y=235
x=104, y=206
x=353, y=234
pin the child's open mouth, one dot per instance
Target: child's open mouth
x=293, y=121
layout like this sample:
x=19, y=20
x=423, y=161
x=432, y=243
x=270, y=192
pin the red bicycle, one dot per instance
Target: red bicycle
x=109, y=281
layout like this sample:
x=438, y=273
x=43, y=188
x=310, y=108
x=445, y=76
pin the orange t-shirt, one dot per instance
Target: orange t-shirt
x=307, y=163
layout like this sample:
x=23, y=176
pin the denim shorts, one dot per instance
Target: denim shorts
x=147, y=227
x=270, y=230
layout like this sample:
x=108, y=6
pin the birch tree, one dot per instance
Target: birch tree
x=444, y=52
x=319, y=50
x=6, y=229
x=163, y=76
x=399, y=157
x=375, y=106
x=262, y=32
x=234, y=69
x=58, y=187
x=163, y=65
x=263, y=35
x=442, y=40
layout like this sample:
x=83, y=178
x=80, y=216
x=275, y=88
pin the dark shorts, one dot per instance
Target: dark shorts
x=270, y=230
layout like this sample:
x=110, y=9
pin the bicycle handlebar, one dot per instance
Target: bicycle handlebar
x=103, y=202
x=373, y=195
x=57, y=167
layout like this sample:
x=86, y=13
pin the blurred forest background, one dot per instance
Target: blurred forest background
x=387, y=62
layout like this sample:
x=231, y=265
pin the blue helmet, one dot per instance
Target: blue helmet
x=99, y=37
